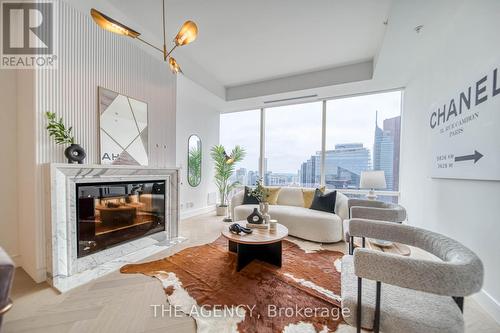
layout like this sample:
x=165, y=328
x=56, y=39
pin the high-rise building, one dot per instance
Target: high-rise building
x=351, y=158
x=241, y=176
x=282, y=179
x=393, y=125
x=310, y=171
x=383, y=153
x=252, y=178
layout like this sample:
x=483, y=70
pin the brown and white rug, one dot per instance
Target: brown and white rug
x=201, y=281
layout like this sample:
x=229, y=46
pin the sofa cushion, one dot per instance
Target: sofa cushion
x=291, y=196
x=308, y=195
x=272, y=194
x=402, y=310
x=248, y=199
x=324, y=202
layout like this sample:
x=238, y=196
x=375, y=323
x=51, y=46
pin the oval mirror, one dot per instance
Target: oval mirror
x=194, y=160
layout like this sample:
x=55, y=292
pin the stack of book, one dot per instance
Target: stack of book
x=257, y=226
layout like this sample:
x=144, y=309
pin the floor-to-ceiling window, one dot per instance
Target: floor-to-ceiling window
x=360, y=133
x=243, y=129
x=292, y=144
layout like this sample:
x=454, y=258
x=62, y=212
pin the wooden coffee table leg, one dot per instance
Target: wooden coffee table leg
x=232, y=246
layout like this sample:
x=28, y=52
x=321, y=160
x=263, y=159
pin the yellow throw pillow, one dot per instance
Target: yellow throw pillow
x=308, y=195
x=273, y=192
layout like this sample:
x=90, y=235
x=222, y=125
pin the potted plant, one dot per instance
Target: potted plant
x=260, y=192
x=262, y=195
x=62, y=135
x=224, y=169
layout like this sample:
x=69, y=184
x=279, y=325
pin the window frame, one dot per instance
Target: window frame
x=262, y=138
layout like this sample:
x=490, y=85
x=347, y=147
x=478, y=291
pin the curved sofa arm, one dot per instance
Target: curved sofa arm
x=459, y=272
x=381, y=214
x=237, y=200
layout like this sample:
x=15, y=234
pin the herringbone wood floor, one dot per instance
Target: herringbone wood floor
x=122, y=303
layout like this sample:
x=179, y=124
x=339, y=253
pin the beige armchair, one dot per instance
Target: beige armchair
x=372, y=210
x=394, y=293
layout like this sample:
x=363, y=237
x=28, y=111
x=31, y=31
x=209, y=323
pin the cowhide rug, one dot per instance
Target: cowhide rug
x=202, y=282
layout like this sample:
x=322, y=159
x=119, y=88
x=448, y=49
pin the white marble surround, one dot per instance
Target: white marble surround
x=64, y=270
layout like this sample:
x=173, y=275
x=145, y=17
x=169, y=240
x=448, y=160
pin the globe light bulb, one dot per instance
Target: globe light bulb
x=187, y=33
x=174, y=66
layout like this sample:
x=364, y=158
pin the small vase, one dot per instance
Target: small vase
x=255, y=217
x=75, y=153
x=264, y=210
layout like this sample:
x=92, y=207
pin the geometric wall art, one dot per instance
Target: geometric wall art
x=123, y=129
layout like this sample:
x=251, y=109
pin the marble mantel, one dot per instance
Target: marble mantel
x=64, y=270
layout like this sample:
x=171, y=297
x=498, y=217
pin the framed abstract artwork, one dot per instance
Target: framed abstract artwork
x=123, y=129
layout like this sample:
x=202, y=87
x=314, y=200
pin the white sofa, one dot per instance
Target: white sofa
x=301, y=222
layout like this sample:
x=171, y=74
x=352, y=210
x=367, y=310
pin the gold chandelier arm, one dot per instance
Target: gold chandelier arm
x=172, y=50
x=149, y=44
x=165, y=55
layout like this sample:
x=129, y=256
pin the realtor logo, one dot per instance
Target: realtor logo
x=28, y=34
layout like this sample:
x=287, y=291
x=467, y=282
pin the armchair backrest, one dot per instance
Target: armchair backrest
x=459, y=272
x=376, y=210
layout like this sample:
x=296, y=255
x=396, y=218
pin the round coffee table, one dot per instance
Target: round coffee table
x=261, y=244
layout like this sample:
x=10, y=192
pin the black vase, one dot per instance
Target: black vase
x=255, y=217
x=75, y=153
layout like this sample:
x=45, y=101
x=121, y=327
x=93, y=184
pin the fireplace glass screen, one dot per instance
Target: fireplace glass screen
x=113, y=213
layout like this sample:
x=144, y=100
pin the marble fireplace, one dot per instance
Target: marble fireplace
x=102, y=217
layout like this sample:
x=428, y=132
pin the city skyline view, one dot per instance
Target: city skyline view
x=349, y=121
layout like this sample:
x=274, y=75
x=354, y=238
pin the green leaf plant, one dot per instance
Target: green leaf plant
x=58, y=130
x=194, y=166
x=224, y=165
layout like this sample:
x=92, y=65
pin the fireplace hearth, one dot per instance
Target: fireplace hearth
x=110, y=214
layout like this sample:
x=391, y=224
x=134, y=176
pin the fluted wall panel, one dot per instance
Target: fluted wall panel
x=89, y=57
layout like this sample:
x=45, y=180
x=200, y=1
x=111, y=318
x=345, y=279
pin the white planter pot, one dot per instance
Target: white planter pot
x=221, y=210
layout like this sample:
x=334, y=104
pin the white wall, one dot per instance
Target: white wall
x=197, y=113
x=466, y=210
x=8, y=167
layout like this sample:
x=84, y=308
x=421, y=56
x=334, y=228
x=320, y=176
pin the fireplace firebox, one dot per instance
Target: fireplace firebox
x=110, y=214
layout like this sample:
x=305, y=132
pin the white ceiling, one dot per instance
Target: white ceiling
x=243, y=42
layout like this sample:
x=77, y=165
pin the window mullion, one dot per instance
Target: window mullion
x=323, y=145
x=262, y=150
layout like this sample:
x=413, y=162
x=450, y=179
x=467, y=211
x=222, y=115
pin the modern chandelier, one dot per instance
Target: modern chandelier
x=186, y=34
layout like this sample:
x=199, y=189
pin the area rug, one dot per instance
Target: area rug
x=201, y=281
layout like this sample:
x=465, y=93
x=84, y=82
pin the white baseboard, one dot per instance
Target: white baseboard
x=198, y=211
x=489, y=304
x=17, y=260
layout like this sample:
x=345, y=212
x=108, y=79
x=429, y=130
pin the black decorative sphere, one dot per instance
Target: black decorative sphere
x=75, y=153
